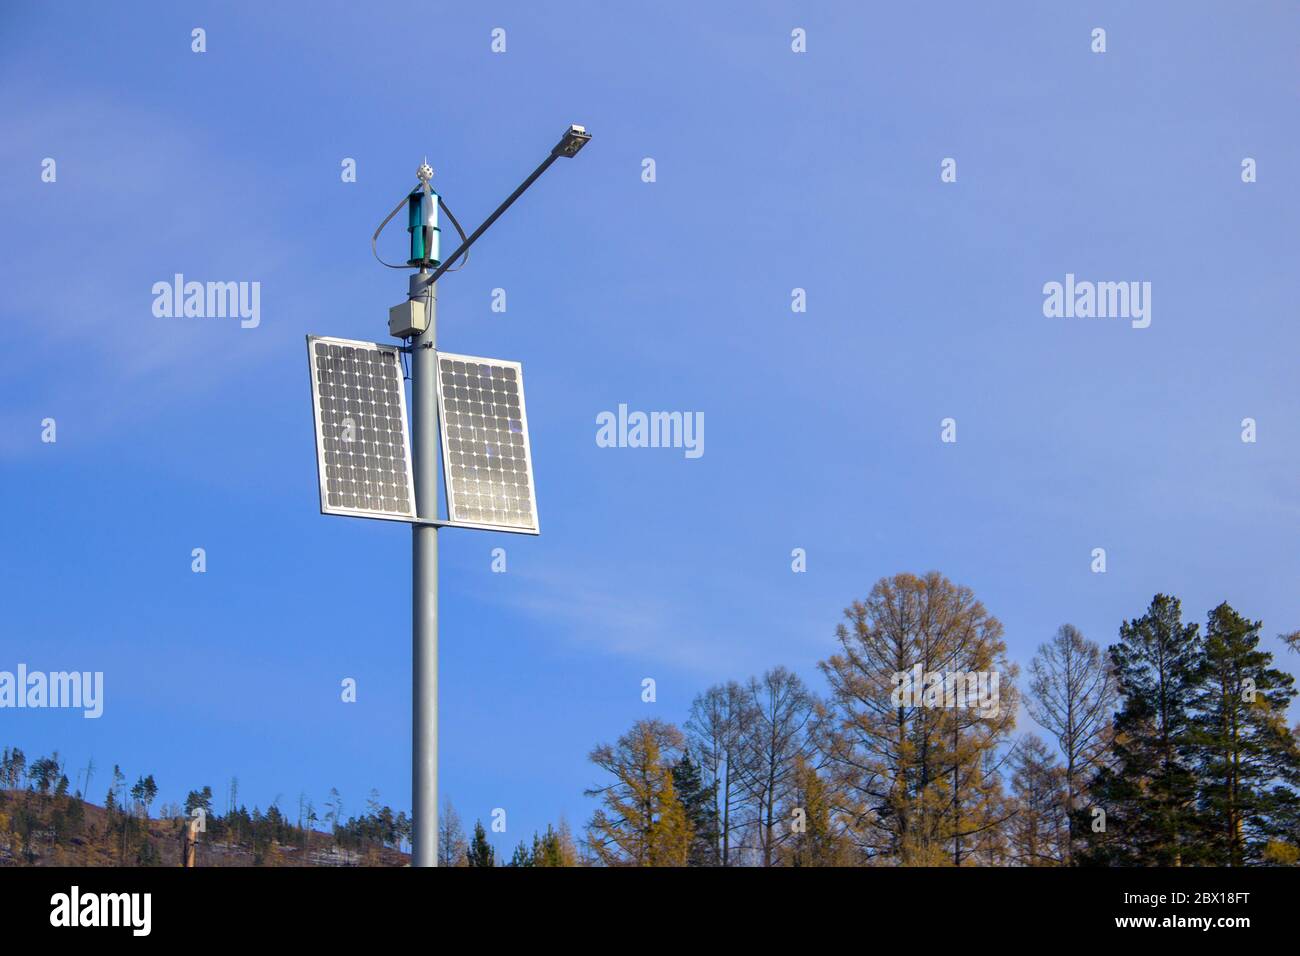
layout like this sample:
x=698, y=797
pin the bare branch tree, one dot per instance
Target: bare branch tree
x=720, y=720
x=1072, y=693
x=781, y=732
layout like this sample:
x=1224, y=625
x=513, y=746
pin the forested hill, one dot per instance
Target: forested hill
x=52, y=829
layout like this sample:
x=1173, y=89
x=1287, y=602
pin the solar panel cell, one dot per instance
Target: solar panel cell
x=486, y=457
x=362, y=451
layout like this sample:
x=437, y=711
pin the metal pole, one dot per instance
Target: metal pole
x=509, y=201
x=424, y=583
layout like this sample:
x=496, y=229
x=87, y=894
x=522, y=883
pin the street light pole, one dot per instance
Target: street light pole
x=422, y=223
x=424, y=581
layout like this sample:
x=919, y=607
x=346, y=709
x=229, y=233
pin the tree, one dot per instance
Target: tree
x=701, y=813
x=89, y=772
x=1072, y=695
x=451, y=837
x=780, y=733
x=522, y=855
x=1244, y=751
x=922, y=700
x=113, y=800
x=480, y=852
x=720, y=721
x=1148, y=791
x=44, y=773
x=333, y=809
x=402, y=826
x=144, y=792
x=641, y=821
x=199, y=799
x=815, y=837
x=14, y=768
x=554, y=848
x=670, y=843
x=1039, y=833
x=114, y=803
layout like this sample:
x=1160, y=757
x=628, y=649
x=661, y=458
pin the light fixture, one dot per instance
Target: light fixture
x=574, y=139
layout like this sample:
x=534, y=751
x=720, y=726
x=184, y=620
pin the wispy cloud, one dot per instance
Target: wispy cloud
x=613, y=615
x=132, y=204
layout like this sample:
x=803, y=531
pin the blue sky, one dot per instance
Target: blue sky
x=775, y=170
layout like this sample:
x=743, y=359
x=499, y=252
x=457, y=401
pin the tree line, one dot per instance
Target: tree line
x=44, y=819
x=1169, y=747
x=555, y=847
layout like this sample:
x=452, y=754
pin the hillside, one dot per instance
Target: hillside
x=47, y=830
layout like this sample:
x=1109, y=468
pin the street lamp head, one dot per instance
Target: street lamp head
x=575, y=137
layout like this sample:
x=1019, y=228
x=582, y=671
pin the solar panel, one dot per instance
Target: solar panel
x=363, y=454
x=486, y=458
